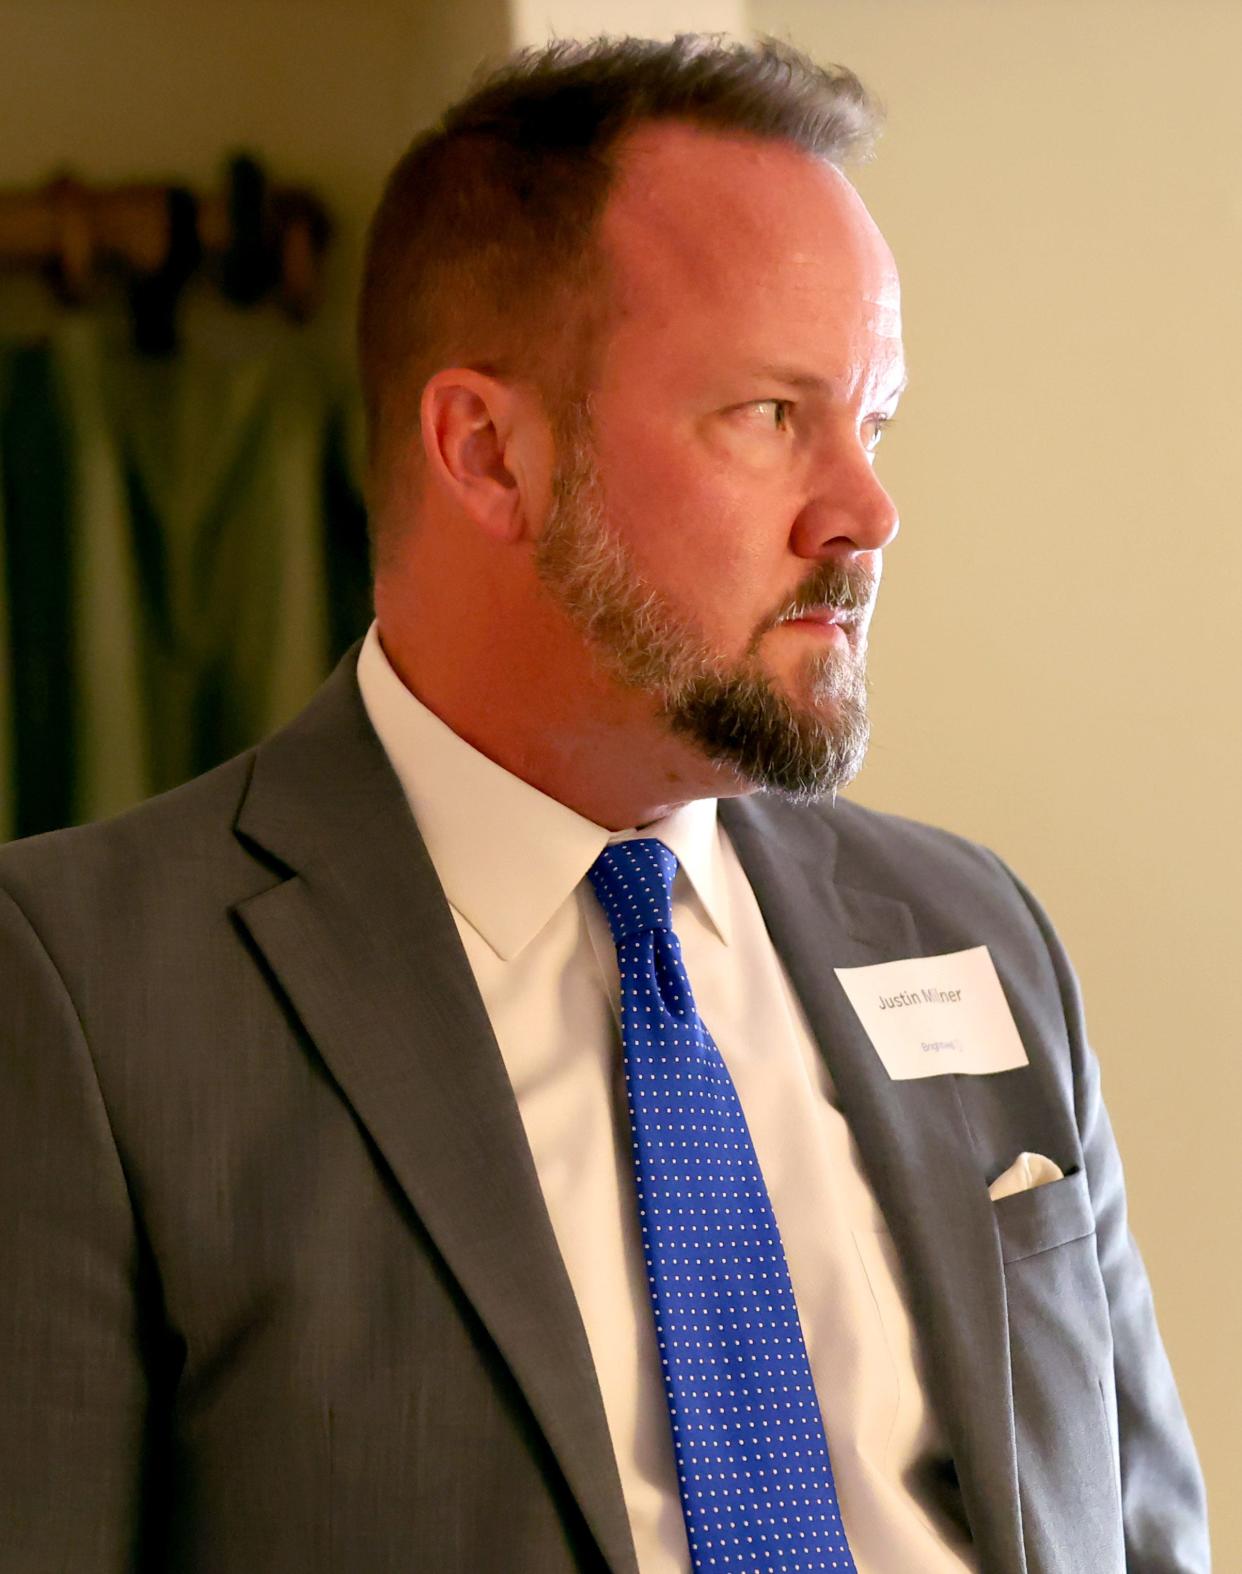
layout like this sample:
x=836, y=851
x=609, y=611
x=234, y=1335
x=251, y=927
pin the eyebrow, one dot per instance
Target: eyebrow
x=795, y=377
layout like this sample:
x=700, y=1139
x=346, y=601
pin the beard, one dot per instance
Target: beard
x=730, y=709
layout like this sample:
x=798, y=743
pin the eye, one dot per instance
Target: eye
x=782, y=408
x=874, y=428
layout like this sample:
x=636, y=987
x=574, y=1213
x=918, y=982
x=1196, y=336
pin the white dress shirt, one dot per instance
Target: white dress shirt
x=513, y=864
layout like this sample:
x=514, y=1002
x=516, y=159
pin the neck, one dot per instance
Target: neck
x=542, y=710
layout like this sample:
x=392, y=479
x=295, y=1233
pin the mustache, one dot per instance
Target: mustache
x=848, y=589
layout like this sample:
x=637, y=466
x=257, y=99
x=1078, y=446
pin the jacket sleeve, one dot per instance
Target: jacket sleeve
x=1162, y=1492
x=73, y=1394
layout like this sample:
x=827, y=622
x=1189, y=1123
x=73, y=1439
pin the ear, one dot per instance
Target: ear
x=489, y=447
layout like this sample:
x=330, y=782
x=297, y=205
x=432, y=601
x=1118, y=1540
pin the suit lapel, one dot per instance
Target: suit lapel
x=916, y=1149
x=361, y=939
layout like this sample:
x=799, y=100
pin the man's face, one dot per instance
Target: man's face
x=706, y=501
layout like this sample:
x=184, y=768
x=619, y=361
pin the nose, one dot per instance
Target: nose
x=849, y=513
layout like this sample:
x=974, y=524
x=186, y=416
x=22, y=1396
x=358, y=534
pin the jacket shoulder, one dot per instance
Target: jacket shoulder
x=182, y=838
x=910, y=859
x=958, y=892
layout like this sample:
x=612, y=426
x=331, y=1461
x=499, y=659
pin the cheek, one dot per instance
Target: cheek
x=691, y=527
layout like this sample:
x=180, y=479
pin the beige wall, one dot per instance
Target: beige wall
x=534, y=21
x=1056, y=657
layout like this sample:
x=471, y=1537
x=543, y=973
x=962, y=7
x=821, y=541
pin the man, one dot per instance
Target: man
x=388, y=1188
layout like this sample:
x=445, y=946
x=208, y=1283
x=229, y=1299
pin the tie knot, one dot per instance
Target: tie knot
x=634, y=882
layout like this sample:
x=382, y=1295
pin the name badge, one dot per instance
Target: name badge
x=931, y=1015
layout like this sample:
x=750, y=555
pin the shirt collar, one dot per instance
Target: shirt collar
x=507, y=854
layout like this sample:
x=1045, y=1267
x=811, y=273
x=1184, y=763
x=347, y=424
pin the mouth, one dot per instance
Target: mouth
x=834, y=615
x=832, y=624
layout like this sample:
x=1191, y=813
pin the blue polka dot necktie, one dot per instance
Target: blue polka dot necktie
x=752, y=1459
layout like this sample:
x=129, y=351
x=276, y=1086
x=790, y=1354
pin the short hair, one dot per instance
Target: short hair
x=483, y=251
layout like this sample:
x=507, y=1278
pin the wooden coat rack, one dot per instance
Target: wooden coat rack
x=255, y=241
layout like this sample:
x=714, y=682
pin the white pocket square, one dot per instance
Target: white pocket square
x=1026, y=1171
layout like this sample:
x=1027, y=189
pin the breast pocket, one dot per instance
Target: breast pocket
x=1060, y=1347
x=1043, y=1217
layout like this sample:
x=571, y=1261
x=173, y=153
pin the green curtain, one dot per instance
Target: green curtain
x=7, y=762
x=183, y=555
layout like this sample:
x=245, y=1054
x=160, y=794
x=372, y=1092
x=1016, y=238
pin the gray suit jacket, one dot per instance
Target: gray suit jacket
x=279, y=1289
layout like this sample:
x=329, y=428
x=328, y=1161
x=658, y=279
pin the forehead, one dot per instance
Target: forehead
x=713, y=233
